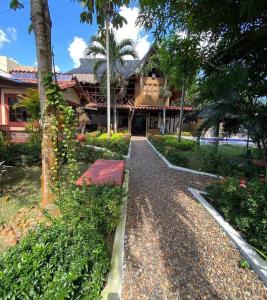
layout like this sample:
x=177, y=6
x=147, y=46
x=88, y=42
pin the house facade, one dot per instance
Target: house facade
x=140, y=109
x=14, y=121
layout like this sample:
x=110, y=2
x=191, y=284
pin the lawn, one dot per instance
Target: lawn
x=229, y=159
x=19, y=188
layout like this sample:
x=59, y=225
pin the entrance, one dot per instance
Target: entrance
x=139, y=125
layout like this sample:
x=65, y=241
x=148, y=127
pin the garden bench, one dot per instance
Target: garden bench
x=103, y=171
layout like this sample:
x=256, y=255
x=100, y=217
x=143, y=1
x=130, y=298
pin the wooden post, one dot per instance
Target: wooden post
x=147, y=124
x=164, y=120
x=98, y=120
x=129, y=123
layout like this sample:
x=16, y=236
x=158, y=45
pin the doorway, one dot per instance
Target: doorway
x=139, y=125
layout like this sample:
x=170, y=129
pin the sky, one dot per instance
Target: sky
x=69, y=36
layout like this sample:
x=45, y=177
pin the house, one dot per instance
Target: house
x=140, y=108
x=14, y=121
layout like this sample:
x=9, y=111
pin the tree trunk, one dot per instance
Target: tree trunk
x=108, y=69
x=164, y=120
x=181, y=112
x=41, y=23
x=164, y=109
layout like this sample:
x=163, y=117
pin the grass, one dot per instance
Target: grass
x=21, y=187
x=229, y=159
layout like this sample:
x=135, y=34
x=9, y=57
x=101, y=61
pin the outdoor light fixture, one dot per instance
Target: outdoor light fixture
x=154, y=76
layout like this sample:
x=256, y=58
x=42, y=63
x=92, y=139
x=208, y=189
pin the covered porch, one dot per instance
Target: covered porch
x=139, y=120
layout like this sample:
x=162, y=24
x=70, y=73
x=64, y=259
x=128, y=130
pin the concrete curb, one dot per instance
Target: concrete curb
x=113, y=289
x=171, y=166
x=258, y=264
x=129, y=150
x=107, y=150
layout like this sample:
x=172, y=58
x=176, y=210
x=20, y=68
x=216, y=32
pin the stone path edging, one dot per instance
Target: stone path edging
x=258, y=264
x=171, y=166
x=113, y=289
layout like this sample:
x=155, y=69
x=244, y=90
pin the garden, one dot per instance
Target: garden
x=66, y=251
x=240, y=196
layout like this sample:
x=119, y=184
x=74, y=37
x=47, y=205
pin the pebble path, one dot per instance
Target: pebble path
x=174, y=249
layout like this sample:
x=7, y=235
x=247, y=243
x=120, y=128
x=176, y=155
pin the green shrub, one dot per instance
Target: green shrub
x=93, y=133
x=174, y=157
x=186, y=133
x=21, y=154
x=213, y=162
x=244, y=208
x=69, y=259
x=100, y=206
x=59, y=262
x=118, y=143
x=88, y=154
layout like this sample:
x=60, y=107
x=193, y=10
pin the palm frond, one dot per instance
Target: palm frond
x=95, y=50
x=128, y=52
x=97, y=65
x=125, y=43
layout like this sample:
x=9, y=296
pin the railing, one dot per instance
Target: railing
x=96, y=97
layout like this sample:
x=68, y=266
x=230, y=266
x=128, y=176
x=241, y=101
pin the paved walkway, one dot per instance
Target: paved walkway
x=174, y=249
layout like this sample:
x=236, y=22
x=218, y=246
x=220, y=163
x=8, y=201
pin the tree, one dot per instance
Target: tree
x=106, y=14
x=31, y=102
x=162, y=60
x=186, y=64
x=41, y=27
x=117, y=52
x=228, y=33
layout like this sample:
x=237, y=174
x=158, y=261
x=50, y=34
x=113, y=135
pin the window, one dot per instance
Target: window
x=16, y=114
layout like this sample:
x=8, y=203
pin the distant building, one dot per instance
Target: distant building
x=8, y=64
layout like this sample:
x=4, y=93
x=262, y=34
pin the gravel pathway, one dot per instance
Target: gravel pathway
x=174, y=249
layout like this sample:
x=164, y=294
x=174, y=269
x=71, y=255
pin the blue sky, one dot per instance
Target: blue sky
x=69, y=36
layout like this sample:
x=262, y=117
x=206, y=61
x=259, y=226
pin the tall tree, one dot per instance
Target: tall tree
x=106, y=15
x=162, y=60
x=41, y=26
x=186, y=64
x=117, y=53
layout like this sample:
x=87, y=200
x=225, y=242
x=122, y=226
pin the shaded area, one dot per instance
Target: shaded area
x=174, y=249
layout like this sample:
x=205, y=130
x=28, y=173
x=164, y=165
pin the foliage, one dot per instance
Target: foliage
x=89, y=154
x=228, y=160
x=170, y=148
x=62, y=119
x=69, y=259
x=244, y=264
x=117, y=53
x=82, y=118
x=118, y=143
x=20, y=154
x=101, y=8
x=64, y=262
x=172, y=141
x=231, y=100
x=31, y=102
x=244, y=208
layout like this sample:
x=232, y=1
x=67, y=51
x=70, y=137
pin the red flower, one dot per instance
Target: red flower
x=242, y=183
x=81, y=137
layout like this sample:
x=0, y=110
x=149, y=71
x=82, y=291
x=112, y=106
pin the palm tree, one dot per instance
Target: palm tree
x=117, y=52
x=30, y=100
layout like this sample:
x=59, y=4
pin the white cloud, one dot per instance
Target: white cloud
x=57, y=68
x=132, y=31
x=128, y=31
x=76, y=50
x=7, y=36
x=12, y=31
x=3, y=38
